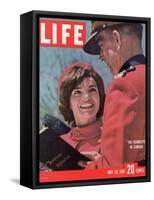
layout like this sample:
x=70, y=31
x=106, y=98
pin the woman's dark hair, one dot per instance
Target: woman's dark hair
x=70, y=79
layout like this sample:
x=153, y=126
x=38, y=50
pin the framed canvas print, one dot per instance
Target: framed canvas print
x=85, y=99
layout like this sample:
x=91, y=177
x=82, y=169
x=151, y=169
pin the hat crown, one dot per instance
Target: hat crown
x=103, y=24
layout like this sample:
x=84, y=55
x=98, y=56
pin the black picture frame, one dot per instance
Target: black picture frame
x=29, y=98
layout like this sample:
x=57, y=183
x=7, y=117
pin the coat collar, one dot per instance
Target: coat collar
x=135, y=60
x=87, y=132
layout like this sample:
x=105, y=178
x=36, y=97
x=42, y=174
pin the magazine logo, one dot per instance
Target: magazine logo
x=57, y=33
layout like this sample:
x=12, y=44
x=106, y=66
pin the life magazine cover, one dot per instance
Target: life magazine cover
x=92, y=99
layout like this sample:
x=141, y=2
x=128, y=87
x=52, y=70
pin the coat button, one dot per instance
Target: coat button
x=76, y=133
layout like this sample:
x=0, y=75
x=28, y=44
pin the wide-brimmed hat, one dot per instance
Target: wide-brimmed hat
x=91, y=45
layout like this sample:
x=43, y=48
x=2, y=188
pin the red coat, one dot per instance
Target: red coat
x=123, y=132
x=85, y=139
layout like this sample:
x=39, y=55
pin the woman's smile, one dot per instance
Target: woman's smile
x=86, y=106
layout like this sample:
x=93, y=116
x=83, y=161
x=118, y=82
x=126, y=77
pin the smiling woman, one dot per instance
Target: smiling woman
x=85, y=101
x=81, y=100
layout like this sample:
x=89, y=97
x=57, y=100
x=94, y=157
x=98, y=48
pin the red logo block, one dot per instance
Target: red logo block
x=57, y=33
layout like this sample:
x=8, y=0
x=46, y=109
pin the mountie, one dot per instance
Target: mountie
x=57, y=33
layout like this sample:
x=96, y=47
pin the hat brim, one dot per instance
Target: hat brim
x=91, y=46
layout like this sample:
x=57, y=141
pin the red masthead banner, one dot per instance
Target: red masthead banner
x=60, y=33
x=129, y=170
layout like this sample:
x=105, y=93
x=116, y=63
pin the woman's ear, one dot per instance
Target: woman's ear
x=117, y=39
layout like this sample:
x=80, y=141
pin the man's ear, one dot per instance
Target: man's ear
x=117, y=39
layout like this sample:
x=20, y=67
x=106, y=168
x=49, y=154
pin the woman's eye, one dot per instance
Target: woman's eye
x=76, y=92
x=92, y=90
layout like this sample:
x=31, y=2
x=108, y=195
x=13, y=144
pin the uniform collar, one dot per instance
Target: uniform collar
x=135, y=60
x=87, y=132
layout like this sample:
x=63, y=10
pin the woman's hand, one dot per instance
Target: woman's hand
x=96, y=160
x=92, y=155
x=44, y=167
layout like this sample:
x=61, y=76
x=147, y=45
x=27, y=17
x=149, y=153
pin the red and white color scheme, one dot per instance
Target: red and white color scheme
x=129, y=170
x=60, y=33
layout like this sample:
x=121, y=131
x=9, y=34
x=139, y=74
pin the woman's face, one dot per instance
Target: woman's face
x=85, y=102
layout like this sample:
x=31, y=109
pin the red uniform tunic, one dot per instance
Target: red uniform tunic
x=123, y=132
